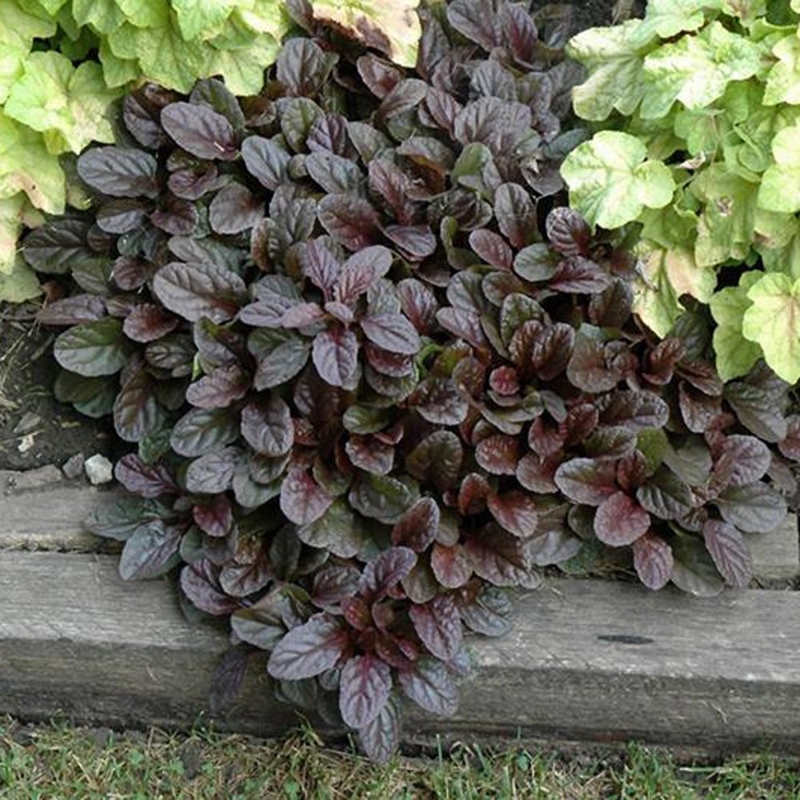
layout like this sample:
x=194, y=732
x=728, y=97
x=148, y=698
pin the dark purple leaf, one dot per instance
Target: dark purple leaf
x=406, y=95
x=515, y=511
x=200, y=290
x=298, y=116
x=393, y=365
x=437, y=459
x=756, y=508
x=280, y=356
x=394, y=186
x=439, y=401
x=499, y=558
x=620, y=520
x=266, y=161
x=451, y=565
x=137, y=411
x=661, y=360
x=386, y=570
x=492, y=248
x=516, y=214
x=214, y=517
x=416, y=242
x=214, y=94
x=381, y=737
x=477, y=21
x=430, y=686
x=303, y=67
x=729, y=551
x=334, y=173
x=364, y=688
x=335, y=355
x=72, y=310
x=360, y=272
x=302, y=499
x=568, y=232
x=267, y=426
x=742, y=460
x=758, y=409
x=119, y=171
x=200, y=583
x=59, y=246
x=334, y=584
x=220, y=388
x=142, y=119
x=418, y=303
x=212, y=473
x=379, y=75
x=329, y=133
x=636, y=411
x=227, y=678
x=234, y=209
x=350, y=220
x=551, y=349
x=370, y=454
x=498, y=454
x=586, y=480
x=146, y=480
x=93, y=348
x=442, y=108
x=789, y=446
x=202, y=431
x=148, y=322
x=200, y=131
x=122, y=216
x=610, y=442
x=665, y=495
x=536, y=474
x=598, y=367
x=463, y=324
x=438, y=625
x=392, y=332
x=488, y=613
x=579, y=275
x=653, y=561
x=177, y=217
x=417, y=527
x=151, y=551
x=308, y=650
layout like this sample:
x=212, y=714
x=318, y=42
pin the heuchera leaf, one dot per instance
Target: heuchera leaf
x=729, y=551
x=364, y=688
x=308, y=650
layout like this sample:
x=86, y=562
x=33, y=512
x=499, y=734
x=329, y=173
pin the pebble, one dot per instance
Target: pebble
x=98, y=469
x=73, y=467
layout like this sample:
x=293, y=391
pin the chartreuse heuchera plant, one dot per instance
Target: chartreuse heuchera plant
x=64, y=64
x=372, y=375
x=699, y=108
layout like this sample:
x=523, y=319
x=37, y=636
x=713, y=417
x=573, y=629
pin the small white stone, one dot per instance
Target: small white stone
x=98, y=469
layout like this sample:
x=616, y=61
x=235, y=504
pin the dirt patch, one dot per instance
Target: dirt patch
x=35, y=429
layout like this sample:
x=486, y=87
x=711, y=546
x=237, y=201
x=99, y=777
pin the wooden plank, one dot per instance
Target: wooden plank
x=587, y=660
x=39, y=510
x=776, y=555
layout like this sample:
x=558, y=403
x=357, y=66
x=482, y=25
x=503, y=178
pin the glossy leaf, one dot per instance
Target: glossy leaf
x=308, y=650
x=364, y=688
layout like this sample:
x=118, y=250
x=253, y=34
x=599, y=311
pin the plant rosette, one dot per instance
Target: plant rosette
x=699, y=115
x=371, y=383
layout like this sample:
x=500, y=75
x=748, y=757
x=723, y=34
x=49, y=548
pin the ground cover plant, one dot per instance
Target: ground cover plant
x=372, y=374
x=699, y=115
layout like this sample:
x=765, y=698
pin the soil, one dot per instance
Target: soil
x=35, y=429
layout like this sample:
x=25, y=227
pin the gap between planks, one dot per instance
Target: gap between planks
x=41, y=511
x=597, y=661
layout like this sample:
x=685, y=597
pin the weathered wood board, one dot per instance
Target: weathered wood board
x=587, y=660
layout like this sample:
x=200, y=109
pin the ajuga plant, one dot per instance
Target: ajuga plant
x=699, y=111
x=372, y=375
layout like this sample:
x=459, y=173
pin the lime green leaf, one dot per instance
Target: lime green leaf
x=614, y=57
x=780, y=184
x=610, y=180
x=163, y=54
x=117, y=71
x=69, y=105
x=397, y=21
x=735, y=354
x=19, y=27
x=26, y=166
x=243, y=68
x=20, y=284
x=200, y=18
x=666, y=275
x=773, y=320
x=783, y=81
x=12, y=62
x=104, y=16
x=696, y=69
x=668, y=18
x=260, y=17
x=145, y=13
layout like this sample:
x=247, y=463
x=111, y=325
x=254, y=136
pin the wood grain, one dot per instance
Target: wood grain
x=587, y=660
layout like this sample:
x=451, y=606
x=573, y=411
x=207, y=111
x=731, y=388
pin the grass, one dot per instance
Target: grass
x=57, y=761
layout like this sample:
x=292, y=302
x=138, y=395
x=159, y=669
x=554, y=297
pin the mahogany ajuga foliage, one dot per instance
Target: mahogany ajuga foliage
x=370, y=382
